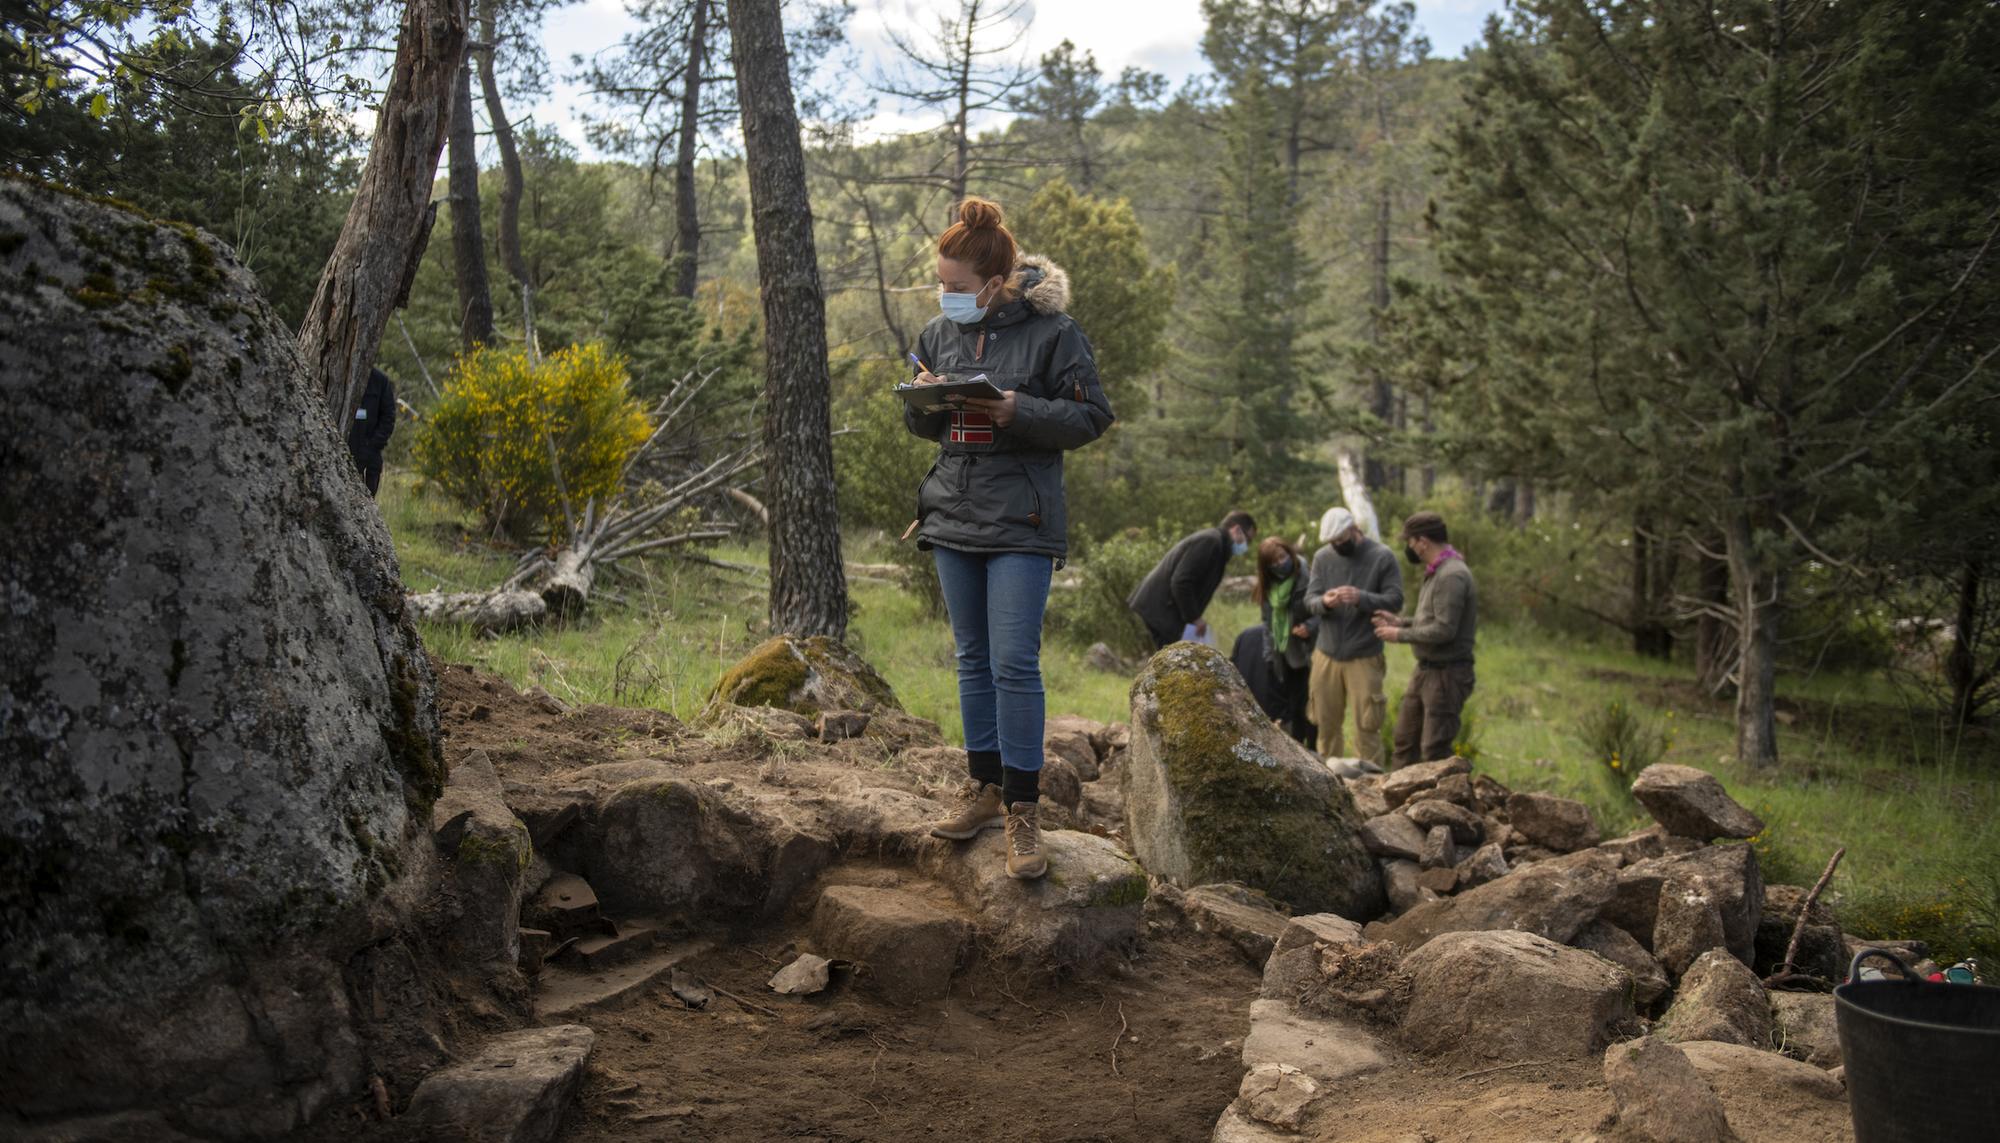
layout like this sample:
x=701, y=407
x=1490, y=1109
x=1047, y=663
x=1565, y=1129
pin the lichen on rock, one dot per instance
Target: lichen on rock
x=803, y=675
x=1214, y=792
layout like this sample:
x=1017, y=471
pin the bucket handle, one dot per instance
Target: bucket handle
x=1854, y=966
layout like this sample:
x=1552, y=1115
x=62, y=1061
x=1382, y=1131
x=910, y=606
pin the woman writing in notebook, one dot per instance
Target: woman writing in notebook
x=991, y=509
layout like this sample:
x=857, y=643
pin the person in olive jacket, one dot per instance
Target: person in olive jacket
x=991, y=508
x=1176, y=592
x=1442, y=633
x=368, y=433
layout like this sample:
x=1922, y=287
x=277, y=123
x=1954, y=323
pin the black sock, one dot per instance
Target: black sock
x=1021, y=786
x=984, y=766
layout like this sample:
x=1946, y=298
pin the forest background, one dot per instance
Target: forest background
x=1682, y=313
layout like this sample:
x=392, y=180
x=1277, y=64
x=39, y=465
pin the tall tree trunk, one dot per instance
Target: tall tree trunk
x=367, y=276
x=512, y=184
x=1961, y=664
x=1757, y=623
x=961, y=127
x=687, y=215
x=1714, y=637
x=808, y=582
x=468, y=247
x=1651, y=637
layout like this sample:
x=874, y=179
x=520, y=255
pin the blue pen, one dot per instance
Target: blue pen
x=916, y=361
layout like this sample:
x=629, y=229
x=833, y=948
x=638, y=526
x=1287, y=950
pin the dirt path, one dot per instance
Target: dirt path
x=999, y=1059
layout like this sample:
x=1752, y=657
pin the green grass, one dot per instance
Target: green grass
x=1923, y=839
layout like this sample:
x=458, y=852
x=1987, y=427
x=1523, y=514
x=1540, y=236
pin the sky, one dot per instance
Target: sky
x=1158, y=35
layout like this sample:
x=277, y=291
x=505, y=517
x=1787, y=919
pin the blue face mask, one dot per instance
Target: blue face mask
x=1238, y=547
x=1282, y=568
x=961, y=308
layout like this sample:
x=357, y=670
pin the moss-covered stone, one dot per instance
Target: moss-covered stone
x=1215, y=793
x=806, y=676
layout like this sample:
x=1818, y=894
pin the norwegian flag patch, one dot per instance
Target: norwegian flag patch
x=971, y=428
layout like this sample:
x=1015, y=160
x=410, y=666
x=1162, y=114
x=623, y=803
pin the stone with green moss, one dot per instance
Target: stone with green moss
x=804, y=675
x=1214, y=792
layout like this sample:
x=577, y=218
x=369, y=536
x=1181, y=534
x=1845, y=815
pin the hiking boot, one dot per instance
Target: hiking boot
x=1024, y=842
x=981, y=811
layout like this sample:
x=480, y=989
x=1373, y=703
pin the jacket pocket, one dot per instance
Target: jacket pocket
x=925, y=503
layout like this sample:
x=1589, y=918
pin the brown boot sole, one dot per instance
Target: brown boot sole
x=1030, y=874
x=968, y=834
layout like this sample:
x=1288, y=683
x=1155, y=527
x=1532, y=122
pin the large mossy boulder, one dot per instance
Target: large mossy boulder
x=807, y=676
x=218, y=737
x=1214, y=792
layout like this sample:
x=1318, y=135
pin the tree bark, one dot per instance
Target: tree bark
x=687, y=215
x=382, y=237
x=488, y=612
x=1961, y=665
x=1757, y=674
x=1714, y=638
x=808, y=585
x=567, y=590
x=1651, y=637
x=512, y=183
x=468, y=246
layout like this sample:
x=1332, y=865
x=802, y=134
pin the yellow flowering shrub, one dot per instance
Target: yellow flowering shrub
x=487, y=443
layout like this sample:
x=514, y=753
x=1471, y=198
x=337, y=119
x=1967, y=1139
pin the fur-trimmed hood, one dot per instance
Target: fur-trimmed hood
x=1043, y=285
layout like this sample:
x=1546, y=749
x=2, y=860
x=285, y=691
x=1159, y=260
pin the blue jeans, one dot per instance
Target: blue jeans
x=996, y=601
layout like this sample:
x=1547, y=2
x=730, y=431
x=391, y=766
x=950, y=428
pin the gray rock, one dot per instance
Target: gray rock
x=1101, y=657
x=1328, y=1050
x=487, y=851
x=1073, y=739
x=518, y=1089
x=1692, y=803
x=1806, y=1028
x=1438, y=852
x=1393, y=835
x=808, y=974
x=1367, y=793
x=1214, y=792
x=1246, y=918
x=1485, y=864
x=1734, y=883
x=1088, y=905
x=1649, y=980
x=1688, y=922
x=220, y=727
x=1512, y=996
x=1659, y=1096
x=1278, y=1094
x=1490, y=793
x=666, y=845
x=1653, y=841
x=803, y=675
x=1406, y=782
x=1554, y=823
x=1769, y=1096
x=1399, y=880
x=1552, y=899
x=1454, y=788
x=1294, y=961
x=1060, y=783
x=1719, y=999
x=1466, y=828
x=1236, y=1126
x=906, y=947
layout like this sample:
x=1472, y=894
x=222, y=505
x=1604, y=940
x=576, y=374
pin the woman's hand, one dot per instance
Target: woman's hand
x=927, y=378
x=1300, y=630
x=1002, y=410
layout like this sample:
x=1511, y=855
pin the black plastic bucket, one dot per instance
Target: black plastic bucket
x=1922, y=1059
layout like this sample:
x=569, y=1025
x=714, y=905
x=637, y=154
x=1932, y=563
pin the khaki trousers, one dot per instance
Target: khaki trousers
x=1337, y=683
x=1427, y=725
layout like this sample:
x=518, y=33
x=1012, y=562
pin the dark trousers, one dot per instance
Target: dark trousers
x=1427, y=722
x=1296, y=683
x=367, y=459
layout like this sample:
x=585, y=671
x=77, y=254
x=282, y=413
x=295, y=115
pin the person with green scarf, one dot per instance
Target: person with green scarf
x=1290, y=626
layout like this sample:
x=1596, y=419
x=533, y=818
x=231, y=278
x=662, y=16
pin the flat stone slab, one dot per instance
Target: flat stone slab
x=1087, y=905
x=516, y=1090
x=565, y=995
x=906, y=948
x=1327, y=1050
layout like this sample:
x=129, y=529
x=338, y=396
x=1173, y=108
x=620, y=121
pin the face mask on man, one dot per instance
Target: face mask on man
x=1346, y=547
x=1410, y=554
x=1239, y=547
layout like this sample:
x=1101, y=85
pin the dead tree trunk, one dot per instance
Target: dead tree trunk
x=687, y=213
x=487, y=612
x=368, y=274
x=468, y=246
x=1757, y=627
x=511, y=181
x=808, y=585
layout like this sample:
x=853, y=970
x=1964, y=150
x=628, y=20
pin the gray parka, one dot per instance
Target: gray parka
x=1001, y=490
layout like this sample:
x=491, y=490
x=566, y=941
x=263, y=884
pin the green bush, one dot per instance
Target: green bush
x=488, y=442
x=1094, y=610
x=1623, y=742
x=879, y=463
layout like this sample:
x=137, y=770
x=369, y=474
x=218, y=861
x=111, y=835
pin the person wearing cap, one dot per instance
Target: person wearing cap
x=1441, y=633
x=1353, y=577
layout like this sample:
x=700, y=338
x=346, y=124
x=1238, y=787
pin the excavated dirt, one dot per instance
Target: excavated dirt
x=1002, y=1057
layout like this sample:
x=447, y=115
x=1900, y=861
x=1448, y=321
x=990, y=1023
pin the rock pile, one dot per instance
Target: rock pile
x=1523, y=937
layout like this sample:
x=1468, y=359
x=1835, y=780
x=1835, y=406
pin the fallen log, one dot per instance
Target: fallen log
x=487, y=612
